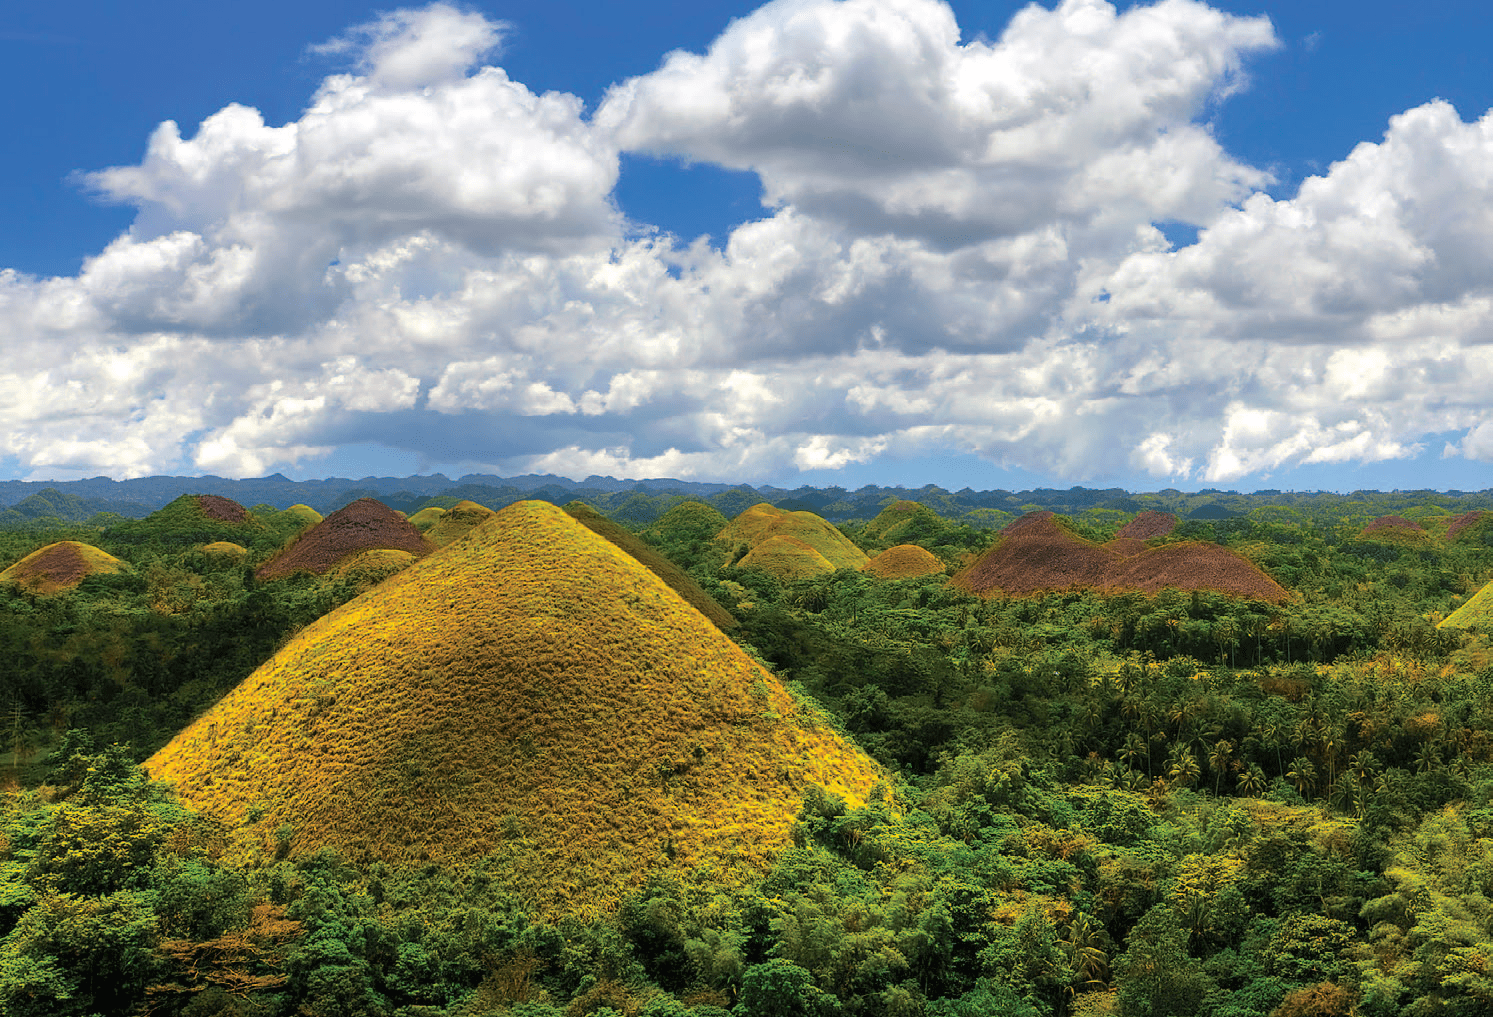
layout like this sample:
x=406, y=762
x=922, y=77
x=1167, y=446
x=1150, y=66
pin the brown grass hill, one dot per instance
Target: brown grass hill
x=457, y=521
x=531, y=694
x=427, y=517
x=677, y=579
x=1469, y=523
x=787, y=558
x=365, y=525
x=1036, y=554
x=905, y=561
x=1148, y=525
x=1193, y=565
x=1395, y=529
x=60, y=566
x=1125, y=547
x=763, y=521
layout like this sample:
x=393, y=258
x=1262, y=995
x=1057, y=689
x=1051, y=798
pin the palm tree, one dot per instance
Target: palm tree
x=1303, y=775
x=1223, y=751
x=1185, y=769
x=1252, y=780
x=1428, y=758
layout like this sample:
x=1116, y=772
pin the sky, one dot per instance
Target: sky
x=980, y=244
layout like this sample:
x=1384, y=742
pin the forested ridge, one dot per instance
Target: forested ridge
x=1143, y=805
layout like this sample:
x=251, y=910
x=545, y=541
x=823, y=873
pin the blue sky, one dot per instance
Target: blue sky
x=944, y=285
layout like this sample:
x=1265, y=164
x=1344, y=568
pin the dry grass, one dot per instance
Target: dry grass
x=786, y=558
x=763, y=521
x=532, y=693
x=1125, y=547
x=365, y=525
x=305, y=513
x=1149, y=524
x=1395, y=529
x=226, y=548
x=1038, y=554
x=60, y=566
x=457, y=521
x=678, y=580
x=905, y=561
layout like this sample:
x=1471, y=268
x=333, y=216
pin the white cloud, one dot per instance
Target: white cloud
x=962, y=258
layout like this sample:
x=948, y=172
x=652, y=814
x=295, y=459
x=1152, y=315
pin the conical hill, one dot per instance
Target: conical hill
x=456, y=522
x=764, y=521
x=1395, y=529
x=904, y=521
x=60, y=566
x=904, y=561
x=192, y=520
x=679, y=580
x=427, y=517
x=365, y=525
x=532, y=693
x=1149, y=524
x=787, y=558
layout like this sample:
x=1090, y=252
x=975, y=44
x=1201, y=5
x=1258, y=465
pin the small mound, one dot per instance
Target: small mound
x=533, y=695
x=904, y=522
x=1465, y=521
x=1148, y=525
x=224, y=510
x=226, y=548
x=457, y=521
x=1125, y=547
x=1194, y=565
x=1036, y=554
x=60, y=566
x=1477, y=611
x=787, y=558
x=905, y=561
x=687, y=521
x=427, y=517
x=308, y=515
x=679, y=580
x=763, y=521
x=369, y=568
x=365, y=525
x=1392, y=528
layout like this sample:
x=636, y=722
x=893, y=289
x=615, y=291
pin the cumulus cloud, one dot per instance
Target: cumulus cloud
x=960, y=255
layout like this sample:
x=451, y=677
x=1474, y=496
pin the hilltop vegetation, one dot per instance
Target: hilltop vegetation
x=1143, y=801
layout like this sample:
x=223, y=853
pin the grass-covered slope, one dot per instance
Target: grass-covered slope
x=764, y=521
x=60, y=566
x=787, y=558
x=1477, y=611
x=426, y=518
x=192, y=519
x=904, y=561
x=365, y=525
x=456, y=522
x=531, y=692
x=656, y=563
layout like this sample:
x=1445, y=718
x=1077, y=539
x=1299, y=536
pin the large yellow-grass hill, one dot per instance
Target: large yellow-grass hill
x=763, y=522
x=904, y=561
x=60, y=566
x=531, y=692
x=1478, y=610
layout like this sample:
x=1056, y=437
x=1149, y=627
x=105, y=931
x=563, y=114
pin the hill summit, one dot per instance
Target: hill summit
x=759, y=527
x=531, y=693
x=365, y=525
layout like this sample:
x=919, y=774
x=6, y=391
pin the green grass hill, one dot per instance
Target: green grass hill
x=763, y=521
x=686, y=522
x=457, y=521
x=654, y=562
x=903, y=522
x=786, y=558
x=427, y=517
x=531, y=693
x=191, y=521
x=60, y=566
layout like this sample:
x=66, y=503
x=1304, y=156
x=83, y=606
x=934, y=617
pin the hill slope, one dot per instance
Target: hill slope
x=456, y=522
x=904, y=561
x=763, y=521
x=531, y=692
x=60, y=566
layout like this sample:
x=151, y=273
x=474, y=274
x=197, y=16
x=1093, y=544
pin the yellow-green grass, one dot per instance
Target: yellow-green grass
x=905, y=561
x=689, y=520
x=226, y=548
x=427, y=517
x=1476, y=611
x=678, y=580
x=60, y=566
x=763, y=521
x=786, y=558
x=368, y=568
x=308, y=515
x=457, y=521
x=531, y=693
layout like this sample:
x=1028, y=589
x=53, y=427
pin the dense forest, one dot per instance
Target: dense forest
x=1100, y=802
